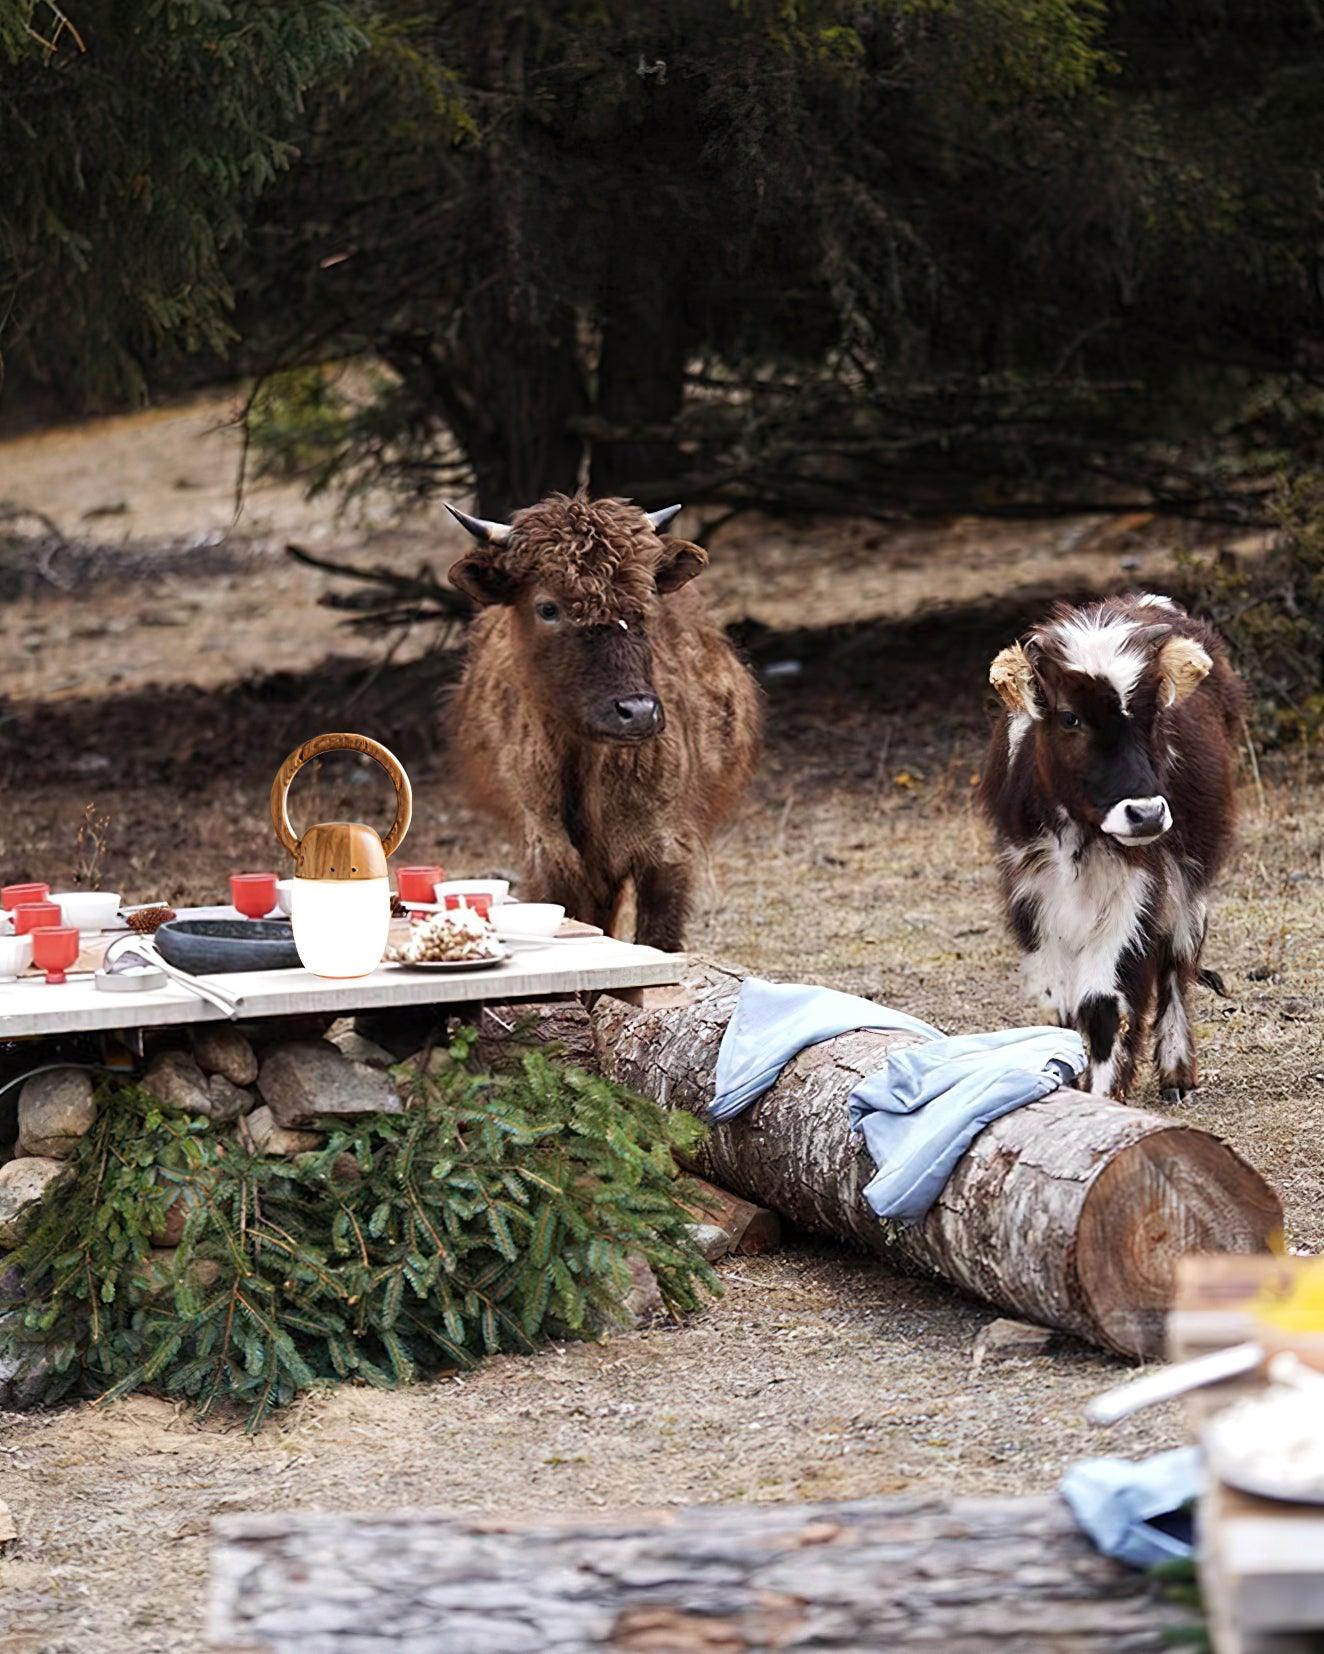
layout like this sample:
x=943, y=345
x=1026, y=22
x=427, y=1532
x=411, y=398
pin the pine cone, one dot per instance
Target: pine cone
x=398, y=908
x=148, y=919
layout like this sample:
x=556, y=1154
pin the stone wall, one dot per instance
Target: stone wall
x=282, y=1087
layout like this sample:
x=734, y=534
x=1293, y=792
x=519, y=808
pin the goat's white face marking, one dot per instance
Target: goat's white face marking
x=1136, y=821
x=1103, y=648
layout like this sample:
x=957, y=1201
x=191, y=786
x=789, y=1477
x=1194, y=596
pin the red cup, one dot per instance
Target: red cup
x=13, y=894
x=54, y=949
x=254, y=894
x=415, y=884
x=29, y=915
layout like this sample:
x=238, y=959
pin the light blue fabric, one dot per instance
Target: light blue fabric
x=773, y=1021
x=921, y=1111
x=1116, y=1502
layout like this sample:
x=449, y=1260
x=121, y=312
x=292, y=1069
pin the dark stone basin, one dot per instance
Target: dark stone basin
x=211, y=947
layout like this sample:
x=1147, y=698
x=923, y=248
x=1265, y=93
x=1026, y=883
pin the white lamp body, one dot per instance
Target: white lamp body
x=340, y=925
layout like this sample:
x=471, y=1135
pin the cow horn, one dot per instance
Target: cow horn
x=492, y=534
x=659, y=520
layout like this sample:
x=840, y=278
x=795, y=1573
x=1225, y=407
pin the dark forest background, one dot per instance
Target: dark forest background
x=890, y=256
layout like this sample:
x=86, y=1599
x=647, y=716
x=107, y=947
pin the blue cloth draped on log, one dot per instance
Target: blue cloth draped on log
x=918, y=1113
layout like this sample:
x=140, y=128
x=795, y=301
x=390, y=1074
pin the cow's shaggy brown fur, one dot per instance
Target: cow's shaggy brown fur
x=587, y=610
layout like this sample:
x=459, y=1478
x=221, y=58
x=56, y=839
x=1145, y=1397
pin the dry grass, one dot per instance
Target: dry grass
x=857, y=863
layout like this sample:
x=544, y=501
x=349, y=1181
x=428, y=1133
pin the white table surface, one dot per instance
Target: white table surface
x=30, y=1006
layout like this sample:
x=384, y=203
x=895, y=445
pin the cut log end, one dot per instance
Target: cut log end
x=1175, y=1192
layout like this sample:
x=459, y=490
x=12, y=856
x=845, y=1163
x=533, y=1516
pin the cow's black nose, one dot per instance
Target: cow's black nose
x=638, y=714
x=1146, y=814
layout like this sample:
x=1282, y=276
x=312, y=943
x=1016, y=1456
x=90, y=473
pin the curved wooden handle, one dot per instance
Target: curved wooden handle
x=280, y=787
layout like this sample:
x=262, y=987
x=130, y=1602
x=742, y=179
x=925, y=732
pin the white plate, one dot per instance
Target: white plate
x=1229, y=1445
x=447, y=964
x=436, y=907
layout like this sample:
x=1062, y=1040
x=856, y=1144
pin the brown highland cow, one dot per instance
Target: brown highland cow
x=602, y=716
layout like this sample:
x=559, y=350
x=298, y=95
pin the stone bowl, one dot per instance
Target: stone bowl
x=213, y=947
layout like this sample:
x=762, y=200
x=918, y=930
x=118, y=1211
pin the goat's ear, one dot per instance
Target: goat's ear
x=1183, y=666
x=680, y=563
x=1012, y=675
x=483, y=579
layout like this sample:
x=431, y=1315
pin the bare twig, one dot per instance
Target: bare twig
x=400, y=599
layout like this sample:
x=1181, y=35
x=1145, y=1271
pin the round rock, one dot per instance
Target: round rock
x=221, y=1049
x=309, y=1083
x=228, y=1101
x=174, y=1079
x=54, y=1111
x=24, y=1184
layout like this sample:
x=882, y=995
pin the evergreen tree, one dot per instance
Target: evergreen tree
x=134, y=137
x=870, y=255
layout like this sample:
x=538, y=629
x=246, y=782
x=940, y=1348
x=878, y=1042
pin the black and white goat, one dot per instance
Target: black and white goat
x=1109, y=783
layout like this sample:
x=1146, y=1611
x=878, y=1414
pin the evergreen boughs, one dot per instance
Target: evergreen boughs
x=136, y=136
x=497, y=1210
x=1270, y=609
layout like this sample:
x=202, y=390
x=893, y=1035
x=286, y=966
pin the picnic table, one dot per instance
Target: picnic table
x=29, y=1008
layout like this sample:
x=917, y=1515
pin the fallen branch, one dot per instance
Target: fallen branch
x=397, y=600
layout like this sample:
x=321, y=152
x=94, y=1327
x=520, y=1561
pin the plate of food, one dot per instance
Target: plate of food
x=456, y=940
x=1271, y=1444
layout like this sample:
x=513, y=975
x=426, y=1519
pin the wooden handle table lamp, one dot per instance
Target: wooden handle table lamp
x=340, y=901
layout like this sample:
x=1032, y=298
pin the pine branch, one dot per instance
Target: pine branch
x=505, y=1206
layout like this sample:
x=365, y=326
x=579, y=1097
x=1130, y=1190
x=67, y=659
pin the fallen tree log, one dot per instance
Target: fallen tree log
x=964, y=1575
x=1071, y=1212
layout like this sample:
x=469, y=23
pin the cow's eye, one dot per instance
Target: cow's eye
x=547, y=611
x=1068, y=719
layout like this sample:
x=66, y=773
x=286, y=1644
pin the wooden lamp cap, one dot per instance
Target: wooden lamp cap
x=340, y=850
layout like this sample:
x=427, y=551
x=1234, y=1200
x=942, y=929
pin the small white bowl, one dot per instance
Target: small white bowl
x=497, y=889
x=15, y=956
x=284, y=890
x=527, y=919
x=88, y=909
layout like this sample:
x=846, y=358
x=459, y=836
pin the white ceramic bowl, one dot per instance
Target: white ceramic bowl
x=88, y=909
x=15, y=955
x=284, y=889
x=527, y=918
x=497, y=889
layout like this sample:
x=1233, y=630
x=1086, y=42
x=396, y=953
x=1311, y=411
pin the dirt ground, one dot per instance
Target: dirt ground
x=165, y=662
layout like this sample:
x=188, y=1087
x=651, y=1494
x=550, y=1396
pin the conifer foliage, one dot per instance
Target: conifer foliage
x=494, y=1212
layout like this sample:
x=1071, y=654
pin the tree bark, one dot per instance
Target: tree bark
x=963, y=1575
x=511, y=389
x=1071, y=1212
x=641, y=370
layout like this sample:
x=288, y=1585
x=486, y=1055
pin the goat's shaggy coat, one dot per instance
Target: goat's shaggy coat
x=1109, y=782
x=602, y=717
